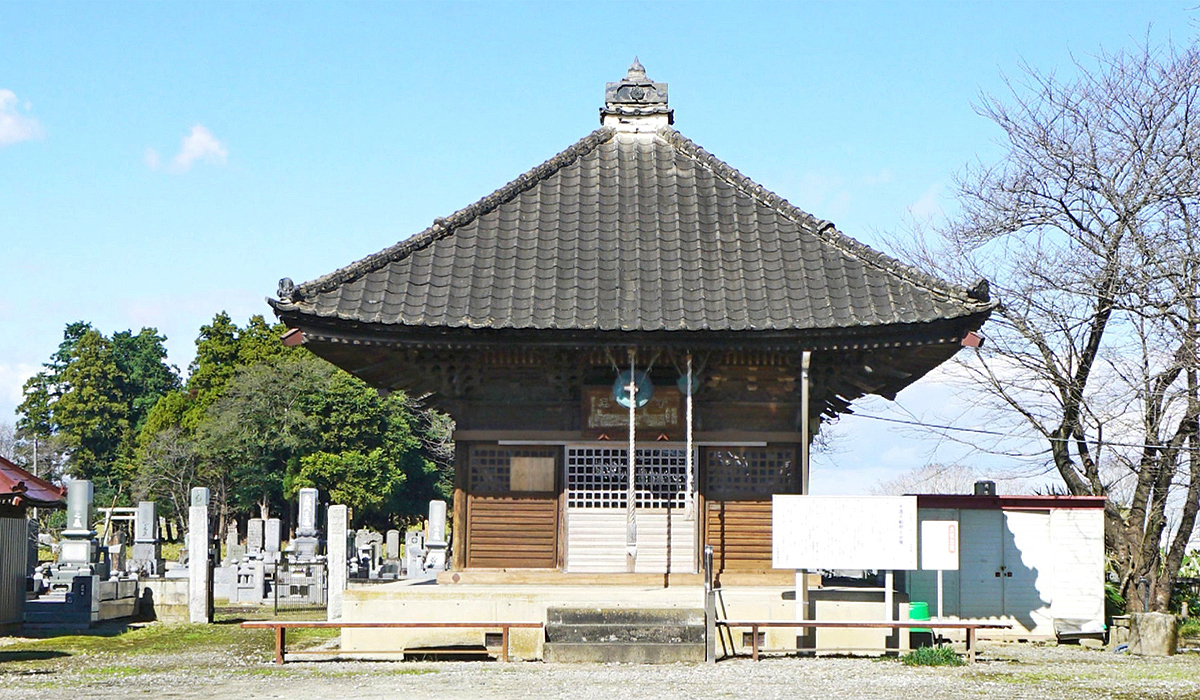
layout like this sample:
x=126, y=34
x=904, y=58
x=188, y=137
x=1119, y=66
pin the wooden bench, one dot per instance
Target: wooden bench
x=967, y=625
x=281, y=627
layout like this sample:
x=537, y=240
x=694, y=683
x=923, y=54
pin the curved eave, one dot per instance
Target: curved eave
x=944, y=331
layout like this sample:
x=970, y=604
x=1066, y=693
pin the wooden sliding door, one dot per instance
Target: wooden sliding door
x=512, y=507
x=739, y=483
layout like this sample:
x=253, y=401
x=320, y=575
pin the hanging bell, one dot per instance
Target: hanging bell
x=643, y=389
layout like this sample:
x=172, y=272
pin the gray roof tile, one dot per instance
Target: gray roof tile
x=642, y=232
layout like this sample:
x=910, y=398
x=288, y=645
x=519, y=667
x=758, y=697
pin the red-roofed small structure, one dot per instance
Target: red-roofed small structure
x=20, y=489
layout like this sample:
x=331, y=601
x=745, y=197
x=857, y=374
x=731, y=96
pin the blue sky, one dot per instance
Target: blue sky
x=160, y=162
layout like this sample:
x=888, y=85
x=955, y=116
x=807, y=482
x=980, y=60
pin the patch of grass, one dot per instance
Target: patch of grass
x=1190, y=629
x=153, y=638
x=265, y=671
x=171, y=550
x=330, y=670
x=114, y=671
x=165, y=639
x=932, y=656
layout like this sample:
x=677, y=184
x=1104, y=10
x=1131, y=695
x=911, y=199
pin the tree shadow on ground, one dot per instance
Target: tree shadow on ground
x=30, y=655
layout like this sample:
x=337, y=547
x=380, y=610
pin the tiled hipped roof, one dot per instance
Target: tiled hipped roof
x=633, y=232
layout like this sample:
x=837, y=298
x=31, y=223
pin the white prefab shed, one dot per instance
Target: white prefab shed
x=1034, y=561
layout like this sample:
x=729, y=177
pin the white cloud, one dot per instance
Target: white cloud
x=198, y=146
x=882, y=178
x=15, y=125
x=928, y=207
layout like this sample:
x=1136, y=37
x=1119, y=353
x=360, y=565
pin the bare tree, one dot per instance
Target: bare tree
x=1086, y=228
x=931, y=478
x=8, y=441
x=169, y=467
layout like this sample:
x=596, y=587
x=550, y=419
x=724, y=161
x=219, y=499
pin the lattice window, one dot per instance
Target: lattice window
x=661, y=478
x=490, y=467
x=750, y=472
x=597, y=477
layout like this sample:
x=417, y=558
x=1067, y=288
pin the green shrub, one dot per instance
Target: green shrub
x=932, y=656
x=1189, y=628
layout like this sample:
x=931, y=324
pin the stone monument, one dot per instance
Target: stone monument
x=147, y=550
x=307, y=542
x=414, y=554
x=78, y=555
x=254, y=537
x=272, y=539
x=393, y=544
x=234, y=550
x=436, y=543
x=337, y=519
x=199, y=574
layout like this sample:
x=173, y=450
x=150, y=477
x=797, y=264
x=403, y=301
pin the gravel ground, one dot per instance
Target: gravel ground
x=1009, y=671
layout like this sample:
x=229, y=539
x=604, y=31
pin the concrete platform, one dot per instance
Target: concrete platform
x=404, y=601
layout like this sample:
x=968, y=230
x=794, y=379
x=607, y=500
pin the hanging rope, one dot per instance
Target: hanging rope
x=690, y=510
x=631, y=493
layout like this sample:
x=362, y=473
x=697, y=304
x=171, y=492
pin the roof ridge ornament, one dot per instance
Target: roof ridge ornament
x=636, y=102
x=637, y=72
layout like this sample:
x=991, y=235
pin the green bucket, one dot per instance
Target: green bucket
x=918, y=610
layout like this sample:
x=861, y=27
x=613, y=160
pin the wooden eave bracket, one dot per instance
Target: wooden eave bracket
x=293, y=337
x=972, y=340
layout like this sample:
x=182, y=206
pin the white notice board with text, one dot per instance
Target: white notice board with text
x=844, y=532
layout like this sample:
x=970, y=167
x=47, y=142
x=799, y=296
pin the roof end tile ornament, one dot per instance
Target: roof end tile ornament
x=287, y=290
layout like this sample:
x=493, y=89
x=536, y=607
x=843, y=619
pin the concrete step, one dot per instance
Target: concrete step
x=579, y=652
x=624, y=635
x=624, y=616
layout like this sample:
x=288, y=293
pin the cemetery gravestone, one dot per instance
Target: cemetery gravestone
x=199, y=581
x=337, y=520
x=393, y=544
x=273, y=538
x=307, y=540
x=254, y=537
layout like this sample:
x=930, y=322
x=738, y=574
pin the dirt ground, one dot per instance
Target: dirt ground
x=191, y=662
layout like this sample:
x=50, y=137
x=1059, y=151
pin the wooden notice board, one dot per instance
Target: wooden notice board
x=663, y=414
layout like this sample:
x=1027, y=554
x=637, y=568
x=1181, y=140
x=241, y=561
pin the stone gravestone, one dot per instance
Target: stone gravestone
x=254, y=537
x=307, y=540
x=436, y=544
x=145, y=527
x=232, y=544
x=393, y=544
x=337, y=521
x=272, y=539
x=414, y=554
x=199, y=583
x=79, y=548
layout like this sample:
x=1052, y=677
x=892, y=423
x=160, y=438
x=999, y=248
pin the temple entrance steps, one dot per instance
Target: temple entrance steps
x=624, y=635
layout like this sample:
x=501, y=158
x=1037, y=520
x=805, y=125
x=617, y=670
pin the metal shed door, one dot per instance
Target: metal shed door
x=1007, y=566
x=596, y=483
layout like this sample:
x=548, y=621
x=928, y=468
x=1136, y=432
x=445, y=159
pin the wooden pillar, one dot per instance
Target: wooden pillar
x=805, y=429
x=462, y=475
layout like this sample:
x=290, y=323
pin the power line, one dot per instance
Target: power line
x=981, y=431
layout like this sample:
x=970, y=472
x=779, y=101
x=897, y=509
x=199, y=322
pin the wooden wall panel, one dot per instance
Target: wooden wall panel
x=740, y=534
x=512, y=532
